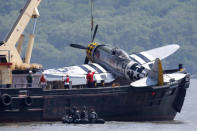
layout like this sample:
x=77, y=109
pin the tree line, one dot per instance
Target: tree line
x=133, y=25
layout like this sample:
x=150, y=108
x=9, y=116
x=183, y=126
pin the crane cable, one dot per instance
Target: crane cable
x=92, y=18
x=34, y=27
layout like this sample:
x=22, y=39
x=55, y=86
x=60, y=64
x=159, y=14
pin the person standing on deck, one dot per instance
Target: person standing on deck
x=29, y=79
x=90, y=79
x=42, y=81
x=66, y=81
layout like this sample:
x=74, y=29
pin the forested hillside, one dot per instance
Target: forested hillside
x=133, y=25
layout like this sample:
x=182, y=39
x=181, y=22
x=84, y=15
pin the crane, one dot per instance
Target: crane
x=10, y=56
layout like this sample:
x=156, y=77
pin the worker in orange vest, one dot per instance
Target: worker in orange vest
x=90, y=79
x=66, y=81
x=43, y=81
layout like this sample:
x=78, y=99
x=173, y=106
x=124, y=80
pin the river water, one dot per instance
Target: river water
x=185, y=121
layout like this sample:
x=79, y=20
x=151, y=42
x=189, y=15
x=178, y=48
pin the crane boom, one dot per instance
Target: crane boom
x=28, y=12
x=8, y=48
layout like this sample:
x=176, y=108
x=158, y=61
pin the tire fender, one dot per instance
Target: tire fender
x=28, y=101
x=6, y=99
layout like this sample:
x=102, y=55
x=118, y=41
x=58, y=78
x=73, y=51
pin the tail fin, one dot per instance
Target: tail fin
x=156, y=72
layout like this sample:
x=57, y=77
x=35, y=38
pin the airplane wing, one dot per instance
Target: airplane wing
x=147, y=58
x=78, y=73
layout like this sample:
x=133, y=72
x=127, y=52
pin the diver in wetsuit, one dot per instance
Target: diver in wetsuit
x=84, y=115
x=75, y=114
x=93, y=116
x=67, y=118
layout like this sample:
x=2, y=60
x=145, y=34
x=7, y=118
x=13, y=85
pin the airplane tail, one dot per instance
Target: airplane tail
x=154, y=77
x=156, y=73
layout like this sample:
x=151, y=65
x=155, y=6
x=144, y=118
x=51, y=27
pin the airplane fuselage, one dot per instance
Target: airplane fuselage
x=116, y=61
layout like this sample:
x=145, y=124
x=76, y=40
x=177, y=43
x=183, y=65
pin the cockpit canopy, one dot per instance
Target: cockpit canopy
x=120, y=53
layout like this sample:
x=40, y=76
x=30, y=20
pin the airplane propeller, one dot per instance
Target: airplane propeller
x=83, y=47
x=78, y=46
x=95, y=31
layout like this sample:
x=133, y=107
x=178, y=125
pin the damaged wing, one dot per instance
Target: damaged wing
x=78, y=73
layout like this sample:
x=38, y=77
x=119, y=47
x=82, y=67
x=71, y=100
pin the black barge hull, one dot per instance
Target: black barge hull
x=124, y=103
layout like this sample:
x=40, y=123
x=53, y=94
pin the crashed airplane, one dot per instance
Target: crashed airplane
x=112, y=63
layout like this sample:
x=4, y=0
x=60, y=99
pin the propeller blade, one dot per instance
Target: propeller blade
x=95, y=32
x=86, y=60
x=78, y=46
